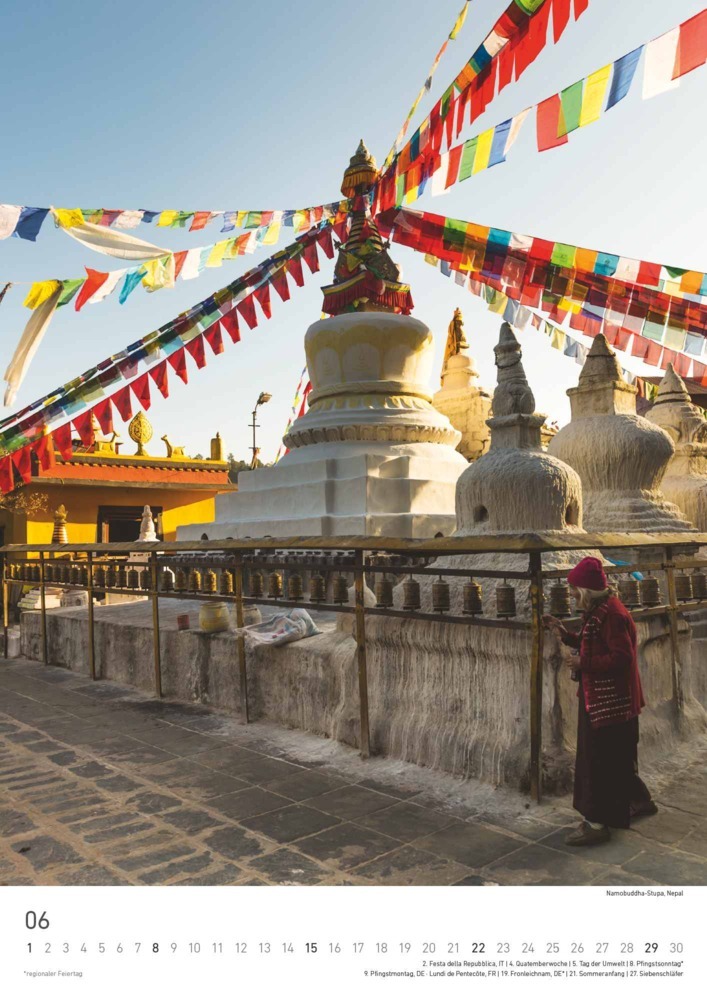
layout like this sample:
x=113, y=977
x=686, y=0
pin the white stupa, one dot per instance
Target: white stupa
x=372, y=456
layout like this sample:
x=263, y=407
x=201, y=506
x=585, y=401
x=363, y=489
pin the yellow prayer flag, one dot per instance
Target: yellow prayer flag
x=215, y=258
x=557, y=340
x=40, y=292
x=240, y=219
x=499, y=303
x=691, y=282
x=569, y=305
x=483, y=151
x=593, y=98
x=272, y=234
x=159, y=273
x=459, y=22
x=585, y=259
x=68, y=217
x=167, y=217
x=431, y=259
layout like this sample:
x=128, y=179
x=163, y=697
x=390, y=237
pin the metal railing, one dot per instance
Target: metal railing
x=232, y=571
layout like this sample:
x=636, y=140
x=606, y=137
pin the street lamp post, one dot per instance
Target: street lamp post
x=264, y=397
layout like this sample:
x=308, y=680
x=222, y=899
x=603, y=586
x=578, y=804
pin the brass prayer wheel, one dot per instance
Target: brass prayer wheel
x=629, y=592
x=650, y=591
x=166, y=580
x=145, y=579
x=699, y=585
x=560, y=606
x=317, y=589
x=472, y=598
x=384, y=593
x=122, y=577
x=36, y=573
x=411, y=595
x=274, y=585
x=441, y=600
x=133, y=579
x=66, y=573
x=256, y=584
x=294, y=587
x=505, y=600
x=683, y=587
x=341, y=590
x=99, y=577
x=84, y=576
x=194, y=580
x=48, y=573
x=180, y=581
x=209, y=582
x=110, y=575
x=226, y=582
x=75, y=575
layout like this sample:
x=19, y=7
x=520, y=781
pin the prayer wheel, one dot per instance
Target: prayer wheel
x=180, y=581
x=110, y=576
x=472, y=598
x=145, y=579
x=274, y=585
x=384, y=593
x=99, y=577
x=122, y=577
x=194, y=580
x=75, y=576
x=49, y=573
x=629, y=592
x=256, y=584
x=560, y=606
x=699, y=585
x=226, y=582
x=84, y=576
x=294, y=587
x=441, y=600
x=341, y=590
x=650, y=591
x=209, y=582
x=36, y=573
x=411, y=595
x=166, y=580
x=683, y=587
x=505, y=600
x=133, y=579
x=66, y=571
x=317, y=589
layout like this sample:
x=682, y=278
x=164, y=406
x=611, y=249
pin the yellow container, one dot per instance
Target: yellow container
x=214, y=617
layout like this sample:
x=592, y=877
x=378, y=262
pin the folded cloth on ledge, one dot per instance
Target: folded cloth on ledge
x=279, y=629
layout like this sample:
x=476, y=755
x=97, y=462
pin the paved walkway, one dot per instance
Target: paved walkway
x=100, y=785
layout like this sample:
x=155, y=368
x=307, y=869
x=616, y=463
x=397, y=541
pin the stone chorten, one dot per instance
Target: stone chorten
x=460, y=399
x=372, y=455
x=621, y=458
x=685, y=482
x=516, y=486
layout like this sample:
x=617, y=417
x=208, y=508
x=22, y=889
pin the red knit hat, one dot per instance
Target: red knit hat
x=589, y=574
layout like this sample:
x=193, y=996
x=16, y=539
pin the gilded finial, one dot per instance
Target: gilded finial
x=140, y=431
x=60, y=535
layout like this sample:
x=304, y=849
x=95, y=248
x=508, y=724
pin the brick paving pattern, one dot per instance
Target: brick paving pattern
x=100, y=785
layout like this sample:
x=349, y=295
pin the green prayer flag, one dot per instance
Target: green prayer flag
x=71, y=287
x=467, y=162
x=563, y=255
x=571, y=98
x=454, y=232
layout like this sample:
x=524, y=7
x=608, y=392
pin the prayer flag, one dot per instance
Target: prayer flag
x=246, y=307
x=560, y=17
x=141, y=387
x=572, y=104
x=7, y=479
x=692, y=46
x=310, y=256
x=83, y=424
x=44, y=452
x=9, y=216
x=103, y=412
x=661, y=55
x=548, y=124
x=214, y=338
x=196, y=349
x=30, y=222
x=67, y=218
x=61, y=436
x=229, y=321
x=483, y=151
x=94, y=280
x=500, y=140
x=22, y=460
x=262, y=294
x=466, y=167
x=624, y=72
x=158, y=374
x=132, y=280
x=594, y=95
x=178, y=362
x=294, y=267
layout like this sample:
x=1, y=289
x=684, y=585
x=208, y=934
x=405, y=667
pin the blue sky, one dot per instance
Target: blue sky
x=239, y=105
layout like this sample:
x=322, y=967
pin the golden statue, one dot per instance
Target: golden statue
x=140, y=430
x=456, y=340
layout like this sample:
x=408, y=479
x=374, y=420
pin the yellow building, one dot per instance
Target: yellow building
x=104, y=492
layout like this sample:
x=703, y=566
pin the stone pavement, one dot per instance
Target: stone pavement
x=102, y=785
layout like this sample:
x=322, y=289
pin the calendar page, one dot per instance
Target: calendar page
x=495, y=942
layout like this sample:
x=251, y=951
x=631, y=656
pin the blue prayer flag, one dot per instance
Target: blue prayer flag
x=498, y=145
x=131, y=281
x=30, y=222
x=606, y=264
x=624, y=71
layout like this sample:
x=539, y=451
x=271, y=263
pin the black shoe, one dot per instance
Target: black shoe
x=647, y=808
x=586, y=836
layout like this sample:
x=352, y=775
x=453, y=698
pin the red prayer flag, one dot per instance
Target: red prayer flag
x=103, y=413
x=639, y=347
x=7, y=479
x=326, y=242
x=548, y=124
x=200, y=220
x=648, y=274
x=262, y=294
x=158, y=374
x=560, y=17
x=214, y=339
x=294, y=267
x=230, y=324
x=668, y=357
x=246, y=307
x=699, y=372
x=178, y=362
x=310, y=256
x=579, y=8
x=93, y=282
x=141, y=388
x=44, y=451
x=505, y=67
x=61, y=436
x=682, y=365
x=279, y=283
x=692, y=45
x=455, y=156
x=653, y=353
x=196, y=349
x=123, y=402
x=83, y=424
x=179, y=259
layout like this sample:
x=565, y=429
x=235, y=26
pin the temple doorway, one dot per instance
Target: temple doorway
x=122, y=524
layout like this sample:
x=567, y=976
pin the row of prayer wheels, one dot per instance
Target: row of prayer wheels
x=119, y=576
x=441, y=597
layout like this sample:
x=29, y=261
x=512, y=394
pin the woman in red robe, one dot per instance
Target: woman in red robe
x=607, y=789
